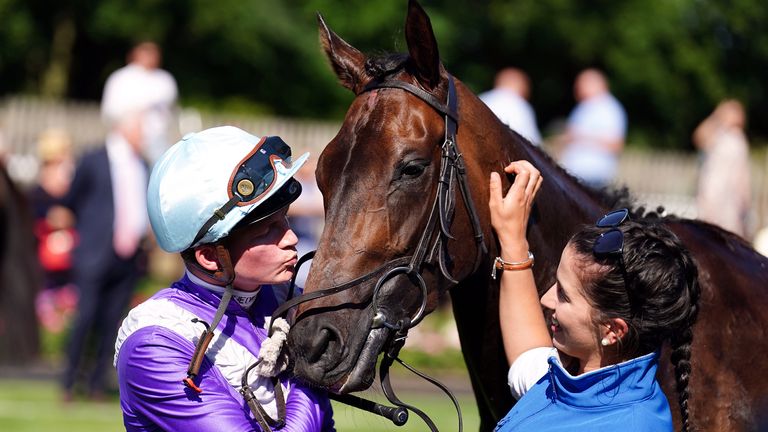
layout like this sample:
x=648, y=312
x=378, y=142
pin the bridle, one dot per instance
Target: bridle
x=452, y=172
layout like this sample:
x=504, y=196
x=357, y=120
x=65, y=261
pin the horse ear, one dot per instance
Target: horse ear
x=347, y=61
x=422, y=45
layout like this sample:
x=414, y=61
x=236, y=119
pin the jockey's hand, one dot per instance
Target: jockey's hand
x=510, y=212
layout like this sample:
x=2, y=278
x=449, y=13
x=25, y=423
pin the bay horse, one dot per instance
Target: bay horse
x=20, y=277
x=378, y=177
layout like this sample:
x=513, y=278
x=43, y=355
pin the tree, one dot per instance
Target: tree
x=669, y=61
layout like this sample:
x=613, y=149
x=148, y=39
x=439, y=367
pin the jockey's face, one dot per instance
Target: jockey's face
x=263, y=253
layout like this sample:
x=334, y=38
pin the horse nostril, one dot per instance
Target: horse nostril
x=320, y=345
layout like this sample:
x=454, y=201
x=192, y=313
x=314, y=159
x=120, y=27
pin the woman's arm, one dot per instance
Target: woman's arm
x=522, y=321
x=702, y=135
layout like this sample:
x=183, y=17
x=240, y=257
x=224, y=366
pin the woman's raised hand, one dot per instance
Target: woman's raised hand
x=510, y=212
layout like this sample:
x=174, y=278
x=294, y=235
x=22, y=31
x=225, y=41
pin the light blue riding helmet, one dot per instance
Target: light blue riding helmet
x=215, y=179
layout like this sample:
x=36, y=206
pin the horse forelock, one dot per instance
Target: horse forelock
x=391, y=66
x=384, y=65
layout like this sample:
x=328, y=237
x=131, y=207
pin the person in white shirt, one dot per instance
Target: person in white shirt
x=724, y=196
x=509, y=101
x=142, y=83
x=595, y=132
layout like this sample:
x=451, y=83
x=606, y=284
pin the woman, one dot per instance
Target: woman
x=623, y=288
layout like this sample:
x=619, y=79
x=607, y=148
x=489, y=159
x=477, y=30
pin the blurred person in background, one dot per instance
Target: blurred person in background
x=219, y=198
x=108, y=199
x=509, y=101
x=595, y=131
x=143, y=83
x=724, y=192
x=54, y=229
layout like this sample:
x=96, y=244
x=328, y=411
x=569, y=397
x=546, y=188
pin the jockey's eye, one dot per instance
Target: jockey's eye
x=412, y=169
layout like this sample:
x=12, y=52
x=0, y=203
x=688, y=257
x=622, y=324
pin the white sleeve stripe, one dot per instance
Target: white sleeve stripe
x=227, y=355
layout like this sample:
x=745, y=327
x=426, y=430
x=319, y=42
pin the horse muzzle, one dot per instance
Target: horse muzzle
x=330, y=359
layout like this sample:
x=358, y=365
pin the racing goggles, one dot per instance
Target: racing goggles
x=252, y=178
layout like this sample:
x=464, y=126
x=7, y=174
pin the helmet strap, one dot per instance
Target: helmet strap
x=226, y=271
x=226, y=274
x=223, y=276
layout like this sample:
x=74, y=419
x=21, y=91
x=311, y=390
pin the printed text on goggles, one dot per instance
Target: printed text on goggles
x=253, y=177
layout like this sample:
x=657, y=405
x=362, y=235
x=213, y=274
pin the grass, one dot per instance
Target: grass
x=34, y=405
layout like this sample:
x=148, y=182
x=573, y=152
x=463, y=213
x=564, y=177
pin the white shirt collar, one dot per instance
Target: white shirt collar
x=246, y=299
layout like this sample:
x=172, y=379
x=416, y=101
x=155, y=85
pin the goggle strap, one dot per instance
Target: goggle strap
x=218, y=215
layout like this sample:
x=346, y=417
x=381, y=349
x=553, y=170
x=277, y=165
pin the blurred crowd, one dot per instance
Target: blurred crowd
x=593, y=138
x=591, y=142
x=83, y=233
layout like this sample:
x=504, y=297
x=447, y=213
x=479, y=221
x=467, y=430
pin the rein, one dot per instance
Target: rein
x=452, y=171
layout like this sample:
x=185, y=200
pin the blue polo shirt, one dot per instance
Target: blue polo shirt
x=624, y=397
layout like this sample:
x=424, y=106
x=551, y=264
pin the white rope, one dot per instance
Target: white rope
x=274, y=359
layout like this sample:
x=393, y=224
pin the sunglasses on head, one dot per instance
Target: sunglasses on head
x=252, y=178
x=611, y=242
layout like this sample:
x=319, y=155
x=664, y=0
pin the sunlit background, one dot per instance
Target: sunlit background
x=257, y=64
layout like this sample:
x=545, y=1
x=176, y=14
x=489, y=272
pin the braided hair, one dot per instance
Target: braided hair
x=656, y=292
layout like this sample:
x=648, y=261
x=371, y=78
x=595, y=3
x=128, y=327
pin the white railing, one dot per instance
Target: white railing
x=670, y=179
x=655, y=178
x=23, y=119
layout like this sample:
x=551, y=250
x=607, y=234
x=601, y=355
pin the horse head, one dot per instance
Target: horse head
x=390, y=245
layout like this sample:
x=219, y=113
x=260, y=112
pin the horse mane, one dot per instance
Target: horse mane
x=610, y=197
x=620, y=197
x=734, y=242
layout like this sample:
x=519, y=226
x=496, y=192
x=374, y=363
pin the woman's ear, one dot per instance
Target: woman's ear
x=614, y=330
x=206, y=257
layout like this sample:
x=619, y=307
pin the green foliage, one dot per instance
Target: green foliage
x=669, y=61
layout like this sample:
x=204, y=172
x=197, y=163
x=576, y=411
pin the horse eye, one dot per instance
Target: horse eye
x=413, y=169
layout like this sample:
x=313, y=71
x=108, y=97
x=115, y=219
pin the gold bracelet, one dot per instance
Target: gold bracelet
x=501, y=265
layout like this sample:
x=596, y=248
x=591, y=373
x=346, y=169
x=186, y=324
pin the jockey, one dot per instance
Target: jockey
x=218, y=197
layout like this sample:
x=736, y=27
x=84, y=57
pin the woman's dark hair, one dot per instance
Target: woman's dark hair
x=654, y=288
